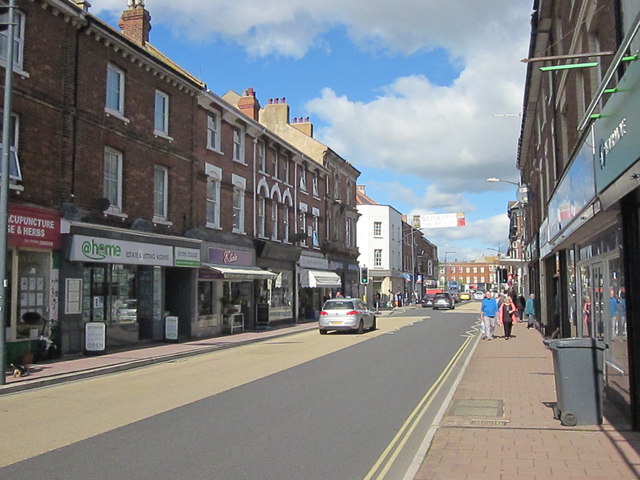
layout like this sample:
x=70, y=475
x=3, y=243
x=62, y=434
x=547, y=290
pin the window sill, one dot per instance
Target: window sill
x=159, y=134
x=240, y=161
x=17, y=69
x=161, y=221
x=239, y=232
x=215, y=150
x=212, y=226
x=116, y=213
x=114, y=113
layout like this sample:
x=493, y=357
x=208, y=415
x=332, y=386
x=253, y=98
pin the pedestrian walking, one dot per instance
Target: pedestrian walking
x=489, y=310
x=521, y=303
x=507, y=315
x=530, y=311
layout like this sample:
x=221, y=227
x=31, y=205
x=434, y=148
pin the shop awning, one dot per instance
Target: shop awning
x=240, y=273
x=319, y=279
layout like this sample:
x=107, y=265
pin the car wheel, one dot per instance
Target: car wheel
x=323, y=332
x=360, y=330
x=373, y=325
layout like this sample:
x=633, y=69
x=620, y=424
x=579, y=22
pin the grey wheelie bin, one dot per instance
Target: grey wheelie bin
x=578, y=367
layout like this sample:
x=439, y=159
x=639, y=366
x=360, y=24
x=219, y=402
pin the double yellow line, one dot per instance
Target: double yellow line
x=390, y=454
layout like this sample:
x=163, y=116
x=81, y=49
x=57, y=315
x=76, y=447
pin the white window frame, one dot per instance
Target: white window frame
x=213, y=131
x=348, y=232
x=115, y=109
x=239, y=188
x=160, y=193
x=303, y=178
x=286, y=213
x=214, y=176
x=161, y=114
x=116, y=199
x=377, y=229
x=261, y=220
x=274, y=163
x=286, y=169
x=274, y=220
x=315, y=224
x=262, y=156
x=18, y=40
x=238, y=145
x=15, y=173
x=377, y=258
x=314, y=184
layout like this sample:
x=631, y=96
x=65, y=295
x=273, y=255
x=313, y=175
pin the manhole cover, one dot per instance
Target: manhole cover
x=490, y=423
x=476, y=408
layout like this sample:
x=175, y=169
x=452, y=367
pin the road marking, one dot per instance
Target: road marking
x=390, y=454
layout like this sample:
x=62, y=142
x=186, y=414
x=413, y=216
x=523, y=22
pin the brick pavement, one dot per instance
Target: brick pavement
x=524, y=441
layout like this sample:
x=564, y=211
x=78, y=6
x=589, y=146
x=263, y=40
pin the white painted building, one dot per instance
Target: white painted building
x=379, y=240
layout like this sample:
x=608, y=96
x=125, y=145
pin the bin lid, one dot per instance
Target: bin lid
x=575, y=342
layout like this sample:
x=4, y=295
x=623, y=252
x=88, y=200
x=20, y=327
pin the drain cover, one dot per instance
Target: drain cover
x=476, y=408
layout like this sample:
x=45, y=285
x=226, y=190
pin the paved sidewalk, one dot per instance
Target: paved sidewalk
x=77, y=367
x=524, y=441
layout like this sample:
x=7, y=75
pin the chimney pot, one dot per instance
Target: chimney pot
x=283, y=100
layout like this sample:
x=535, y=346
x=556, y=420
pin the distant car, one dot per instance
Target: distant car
x=478, y=295
x=443, y=300
x=456, y=297
x=465, y=296
x=427, y=301
x=349, y=314
x=128, y=311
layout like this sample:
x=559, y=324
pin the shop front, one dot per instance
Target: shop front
x=610, y=265
x=317, y=283
x=33, y=241
x=279, y=299
x=123, y=285
x=232, y=291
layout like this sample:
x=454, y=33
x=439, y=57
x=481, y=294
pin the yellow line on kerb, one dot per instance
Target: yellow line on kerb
x=397, y=444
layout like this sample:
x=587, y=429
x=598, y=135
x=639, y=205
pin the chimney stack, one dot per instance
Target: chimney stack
x=135, y=22
x=248, y=104
x=83, y=4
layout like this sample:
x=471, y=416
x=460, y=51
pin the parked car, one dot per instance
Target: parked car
x=349, y=314
x=443, y=300
x=465, y=296
x=478, y=295
x=456, y=297
x=427, y=301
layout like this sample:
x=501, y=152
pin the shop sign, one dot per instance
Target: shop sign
x=221, y=256
x=107, y=250
x=187, y=257
x=171, y=328
x=95, y=337
x=616, y=130
x=318, y=263
x=32, y=227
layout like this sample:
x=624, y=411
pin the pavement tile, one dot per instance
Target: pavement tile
x=532, y=445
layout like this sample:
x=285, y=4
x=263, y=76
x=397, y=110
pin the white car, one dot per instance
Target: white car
x=478, y=295
x=346, y=314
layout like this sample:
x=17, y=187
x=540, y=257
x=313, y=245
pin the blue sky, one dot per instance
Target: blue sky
x=409, y=91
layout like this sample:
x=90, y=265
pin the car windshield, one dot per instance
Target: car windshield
x=339, y=305
x=441, y=295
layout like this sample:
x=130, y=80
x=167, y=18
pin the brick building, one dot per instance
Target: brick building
x=138, y=194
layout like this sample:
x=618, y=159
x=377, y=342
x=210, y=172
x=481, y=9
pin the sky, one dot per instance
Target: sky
x=423, y=97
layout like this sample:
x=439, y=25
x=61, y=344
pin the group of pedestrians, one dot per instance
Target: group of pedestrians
x=505, y=311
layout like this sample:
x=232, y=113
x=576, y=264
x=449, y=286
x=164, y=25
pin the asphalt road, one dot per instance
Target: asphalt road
x=305, y=406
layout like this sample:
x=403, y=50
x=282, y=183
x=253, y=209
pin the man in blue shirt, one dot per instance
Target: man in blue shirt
x=489, y=310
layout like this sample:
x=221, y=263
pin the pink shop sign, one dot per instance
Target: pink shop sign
x=221, y=256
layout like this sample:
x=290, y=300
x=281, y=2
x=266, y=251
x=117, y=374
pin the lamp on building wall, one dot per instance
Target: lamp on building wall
x=523, y=189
